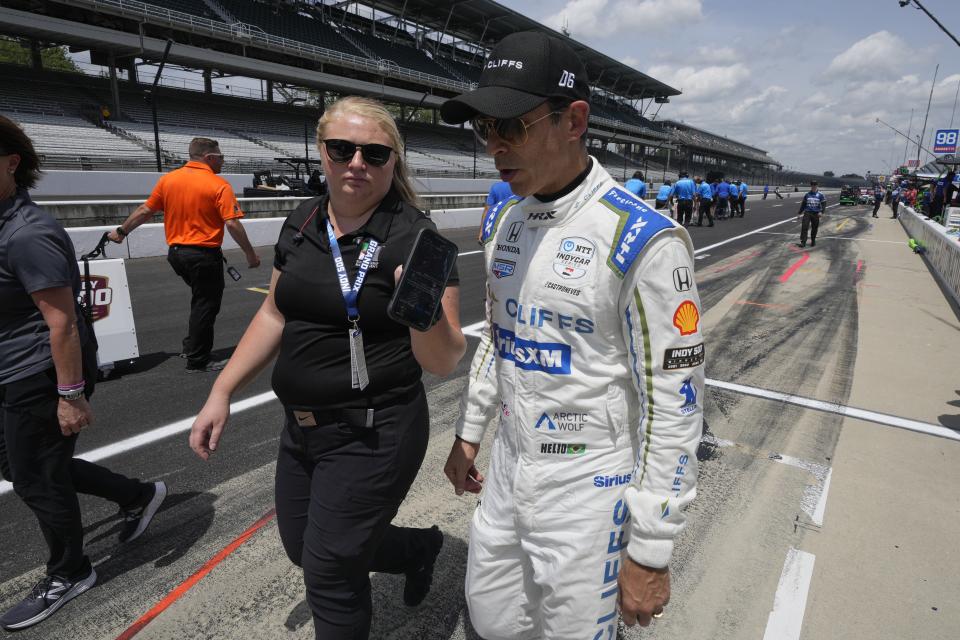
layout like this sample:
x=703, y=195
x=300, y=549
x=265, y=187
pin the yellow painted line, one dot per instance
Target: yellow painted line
x=840, y=226
x=259, y=290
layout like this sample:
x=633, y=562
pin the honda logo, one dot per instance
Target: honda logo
x=514, y=233
x=682, y=280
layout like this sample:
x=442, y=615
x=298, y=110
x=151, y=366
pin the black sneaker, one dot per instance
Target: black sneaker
x=136, y=520
x=802, y=245
x=50, y=594
x=212, y=365
x=419, y=580
x=813, y=243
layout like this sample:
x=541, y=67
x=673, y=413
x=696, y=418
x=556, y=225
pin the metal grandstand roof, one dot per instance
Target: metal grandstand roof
x=485, y=22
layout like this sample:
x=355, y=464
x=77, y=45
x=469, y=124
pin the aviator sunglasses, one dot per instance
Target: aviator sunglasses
x=513, y=131
x=342, y=151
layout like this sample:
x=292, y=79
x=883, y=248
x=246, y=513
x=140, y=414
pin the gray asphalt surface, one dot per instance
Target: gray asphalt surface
x=797, y=336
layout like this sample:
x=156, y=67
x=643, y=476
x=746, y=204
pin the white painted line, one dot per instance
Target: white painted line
x=821, y=507
x=701, y=257
x=473, y=329
x=782, y=233
x=786, y=619
x=814, y=501
x=137, y=441
x=833, y=407
x=469, y=253
x=744, y=235
x=778, y=205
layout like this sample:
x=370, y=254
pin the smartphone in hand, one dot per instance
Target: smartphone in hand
x=416, y=300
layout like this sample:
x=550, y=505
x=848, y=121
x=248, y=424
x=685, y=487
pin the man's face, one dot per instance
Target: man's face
x=534, y=166
x=814, y=188
x=214, y=159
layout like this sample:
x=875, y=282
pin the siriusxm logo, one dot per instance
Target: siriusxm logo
x=627, y=240
x=538, y=316
x=602, y=482
x=549, y=357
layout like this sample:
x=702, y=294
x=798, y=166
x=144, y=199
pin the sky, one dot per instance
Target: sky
x=804, y=81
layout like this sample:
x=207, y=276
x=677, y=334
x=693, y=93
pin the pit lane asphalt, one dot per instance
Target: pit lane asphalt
x=154, y=391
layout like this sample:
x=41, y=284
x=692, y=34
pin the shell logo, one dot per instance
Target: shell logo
x=686, y=318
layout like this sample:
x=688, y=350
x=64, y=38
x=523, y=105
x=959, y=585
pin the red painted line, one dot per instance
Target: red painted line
x=187, y=584
x=793, y=268
x=859, y=266
x=736, y=262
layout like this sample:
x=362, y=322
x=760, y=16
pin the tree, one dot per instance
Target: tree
x=53, y=58
x=828, y=174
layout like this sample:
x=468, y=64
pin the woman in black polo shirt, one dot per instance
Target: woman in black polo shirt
x=348, y=455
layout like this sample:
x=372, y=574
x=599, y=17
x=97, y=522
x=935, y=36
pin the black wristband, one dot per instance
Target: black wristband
x=121, y=232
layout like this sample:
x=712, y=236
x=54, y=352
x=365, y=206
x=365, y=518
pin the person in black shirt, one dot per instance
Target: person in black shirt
x=48, y=368
x=349, y=452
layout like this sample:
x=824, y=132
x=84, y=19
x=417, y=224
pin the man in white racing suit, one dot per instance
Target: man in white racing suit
x=591, y=359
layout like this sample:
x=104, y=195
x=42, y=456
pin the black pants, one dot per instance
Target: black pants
x=876, y=206
x=660, y=204
x=764, y=196
x=777, y=193
x=742, y=205
x=704, y=209
x=684, y=211
x=811, y=222
x=202, y=269
x=722, y=207
x=38, y=459
x=338, y=486
x=896, y=205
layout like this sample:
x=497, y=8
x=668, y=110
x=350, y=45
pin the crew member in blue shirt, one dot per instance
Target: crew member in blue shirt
x=812, y=206
x=895, y=199
x=663, y=196
x=499, y=192
x=684, y=191
x=766, y=191
x=723, y=198
x=636, y=185
x=877, y=199
x=705, y=201
x=743, y=197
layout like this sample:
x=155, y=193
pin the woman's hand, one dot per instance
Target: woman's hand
x=208, y=427
x=73, y=415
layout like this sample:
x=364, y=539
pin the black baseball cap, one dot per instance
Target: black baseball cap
x=523, y=71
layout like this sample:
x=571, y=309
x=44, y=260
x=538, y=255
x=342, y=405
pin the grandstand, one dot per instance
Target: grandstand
x=408, y=53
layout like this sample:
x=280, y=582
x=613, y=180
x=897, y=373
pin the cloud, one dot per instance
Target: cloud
x=703, y=83
x=720, y=55
x=876, y=52
x=762, y=98
x=590, y=18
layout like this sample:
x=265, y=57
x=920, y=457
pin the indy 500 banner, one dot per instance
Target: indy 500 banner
x=112, y=311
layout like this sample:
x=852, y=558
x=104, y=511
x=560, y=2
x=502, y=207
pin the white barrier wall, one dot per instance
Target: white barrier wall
x=942, y=250
x=148, y=240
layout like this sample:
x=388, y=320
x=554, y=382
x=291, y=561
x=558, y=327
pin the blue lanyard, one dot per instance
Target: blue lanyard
x=351, y=293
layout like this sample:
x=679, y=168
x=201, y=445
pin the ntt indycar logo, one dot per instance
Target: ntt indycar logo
x=549, y=357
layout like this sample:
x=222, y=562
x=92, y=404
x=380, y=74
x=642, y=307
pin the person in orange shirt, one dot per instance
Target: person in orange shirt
x=197, y=204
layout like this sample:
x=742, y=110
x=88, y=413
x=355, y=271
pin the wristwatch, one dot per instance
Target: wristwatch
x=71, y=395
x=121, y=232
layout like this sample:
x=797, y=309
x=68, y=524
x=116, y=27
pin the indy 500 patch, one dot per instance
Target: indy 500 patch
x=683, y=357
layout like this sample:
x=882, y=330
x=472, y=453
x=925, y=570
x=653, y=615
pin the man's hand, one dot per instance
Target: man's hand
x=73, y=415
x=461, y=472
x=113, y=236
x=253, y=260
x=643, y=592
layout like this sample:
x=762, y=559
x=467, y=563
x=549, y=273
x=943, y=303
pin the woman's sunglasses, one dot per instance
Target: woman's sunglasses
x=343, y=151
x=513, y=131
